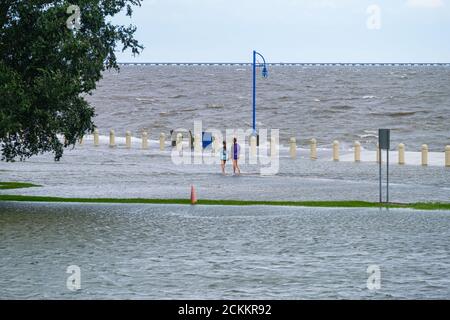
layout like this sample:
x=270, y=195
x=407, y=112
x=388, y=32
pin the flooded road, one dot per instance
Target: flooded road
x=215, y=252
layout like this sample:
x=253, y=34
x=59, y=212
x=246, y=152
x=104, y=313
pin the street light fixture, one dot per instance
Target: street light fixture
x=265, y=74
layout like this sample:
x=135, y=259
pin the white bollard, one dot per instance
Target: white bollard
x=96, y=138
x=112, y=139
x=197, y=144
x=273, y=147
x=162, y=141
x=313, y=149
x=293, y=148
x=144, y=140
x=213, y=146
x=424, y=155
x=447, y=156
x=357, y=151
x=335, y=150
x=214, y=143
x=179, y=142
x=219, y=144
x=401, y=153
x=253, y=146
x=128, y=139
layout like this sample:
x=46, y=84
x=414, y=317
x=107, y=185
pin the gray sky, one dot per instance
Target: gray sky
x=292, y=30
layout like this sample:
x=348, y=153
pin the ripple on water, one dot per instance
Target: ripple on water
x=160, y=251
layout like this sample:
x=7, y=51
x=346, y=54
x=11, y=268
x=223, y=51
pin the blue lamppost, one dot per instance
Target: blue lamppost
x=265, y=74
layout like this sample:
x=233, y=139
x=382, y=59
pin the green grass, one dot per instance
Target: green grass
x=16, y=185
x=329, y=204
x=431, y=206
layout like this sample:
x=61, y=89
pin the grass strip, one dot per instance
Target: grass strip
x=322, y=204
x=16, y=185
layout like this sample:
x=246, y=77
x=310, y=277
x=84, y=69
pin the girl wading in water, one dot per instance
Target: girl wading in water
x=223, y=157
x=235, y=152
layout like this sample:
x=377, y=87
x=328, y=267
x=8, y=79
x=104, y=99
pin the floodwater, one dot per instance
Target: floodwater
x=189, y=252
x=89, y=171
x=184, y=252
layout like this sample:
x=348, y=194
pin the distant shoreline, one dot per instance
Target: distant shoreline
x=351, y=64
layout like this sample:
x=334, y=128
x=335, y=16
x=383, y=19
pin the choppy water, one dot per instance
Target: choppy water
x=135, y=251
x=156, y=251
x=326, y=102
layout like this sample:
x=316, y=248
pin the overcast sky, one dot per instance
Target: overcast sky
x=292, y=30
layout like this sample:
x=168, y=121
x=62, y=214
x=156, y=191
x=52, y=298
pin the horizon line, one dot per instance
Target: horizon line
x=285, y=63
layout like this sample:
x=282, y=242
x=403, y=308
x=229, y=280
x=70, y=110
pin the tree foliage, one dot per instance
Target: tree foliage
x=47, y=69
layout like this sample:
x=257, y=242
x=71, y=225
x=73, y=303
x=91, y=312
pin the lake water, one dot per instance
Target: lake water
x=326, y=102
x=189, y=252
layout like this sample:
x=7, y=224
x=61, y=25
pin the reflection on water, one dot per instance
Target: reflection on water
x=170, y=251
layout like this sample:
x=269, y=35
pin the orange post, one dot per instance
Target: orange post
x=193, y=195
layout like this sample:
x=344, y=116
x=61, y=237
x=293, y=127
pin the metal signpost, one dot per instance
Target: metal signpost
x=384, y=143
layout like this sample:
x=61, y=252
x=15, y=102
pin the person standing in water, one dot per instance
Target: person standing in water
x=191, y=140
x=223, y=157
x=236, y=150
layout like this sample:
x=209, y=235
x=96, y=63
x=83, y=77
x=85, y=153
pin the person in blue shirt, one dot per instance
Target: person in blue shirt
x=236, y=150
x=223, y=157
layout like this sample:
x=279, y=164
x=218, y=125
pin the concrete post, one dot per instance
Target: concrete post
x=144, y=140
x=313, y=149
x=179, y=142
x=213, y=146
x=401, y=153
x=128, y=139
x=112, y=139
x=214, y=143
x=293, y=148
x=190, y=142
x=273, y=147
x=162, y=141
x=447, y=156
x=253, y=146
x=197, y=144
x=335, y=150
x=424, y=155
x=357, y=151
x=96, y=138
